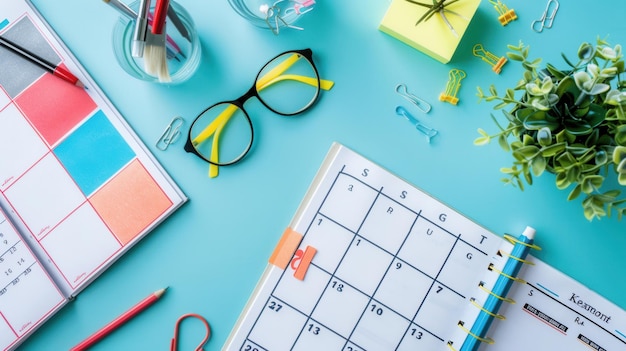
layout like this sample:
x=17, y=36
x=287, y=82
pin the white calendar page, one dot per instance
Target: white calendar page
x=395, y=269
x=23, y=282
x=559, y=313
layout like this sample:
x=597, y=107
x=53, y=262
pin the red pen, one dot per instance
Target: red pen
x=117, y=322
x=58, y=71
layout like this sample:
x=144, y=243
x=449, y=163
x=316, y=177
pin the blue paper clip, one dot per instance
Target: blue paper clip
x=422, y=128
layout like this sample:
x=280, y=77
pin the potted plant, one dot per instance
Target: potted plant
x=570, y=122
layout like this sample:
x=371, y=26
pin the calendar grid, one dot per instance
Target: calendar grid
x=410, y=322
x=272, y=294
x=370, y=262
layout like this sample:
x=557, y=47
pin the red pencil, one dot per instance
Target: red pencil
x=117, y=322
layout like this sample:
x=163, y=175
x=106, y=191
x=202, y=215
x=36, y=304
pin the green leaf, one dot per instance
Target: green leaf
x=536, y=120
x=528, y=76
x=619, y=154
x=509, y=170
x=527, y=175
x=577, y=127
x=528, y=152
x=544, y=136
x=620, y=135
x=591, y=183
x=565, y=137
x=573, y=174
x=621, y=167
x=492, y=90
x=480, y=93
x=515, y=57
x=538, y=165
x=587, y=156
x=574, y=193
x=614, y=194
x=480, y=141
x=586, y=51
x=510, y=94
x=528, y=140
x=515, y=48
x=552, y=150
x=566, y=160
x=557, y=73
x=588, y=212
x=567, y=61
x=561, y=180
x=500, y=105
x=599, y=88
x=504, y=144
x=592, y=211
x=567, y=86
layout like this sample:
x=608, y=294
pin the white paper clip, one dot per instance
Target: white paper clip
x=546, y=20
x=170, y=134
x=420, y=103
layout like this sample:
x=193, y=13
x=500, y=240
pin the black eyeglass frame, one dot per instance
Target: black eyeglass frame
x=253, y=92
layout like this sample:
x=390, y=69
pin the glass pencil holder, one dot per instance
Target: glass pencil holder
x=273, y=14
x=182, y=46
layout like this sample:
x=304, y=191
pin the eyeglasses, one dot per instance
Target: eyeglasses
x=288, y=84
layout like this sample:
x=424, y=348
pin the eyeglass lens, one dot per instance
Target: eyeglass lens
x=287, y=85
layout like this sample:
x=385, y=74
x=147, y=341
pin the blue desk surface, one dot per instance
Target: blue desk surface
x=212, y=251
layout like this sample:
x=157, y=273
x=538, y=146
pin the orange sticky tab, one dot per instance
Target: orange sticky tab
x=305, y=262
x=286, y=247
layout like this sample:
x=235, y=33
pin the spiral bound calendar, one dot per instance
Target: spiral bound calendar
x=369, y=262
x=78, y=188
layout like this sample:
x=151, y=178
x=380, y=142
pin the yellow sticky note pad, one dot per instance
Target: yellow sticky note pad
x=433, y=36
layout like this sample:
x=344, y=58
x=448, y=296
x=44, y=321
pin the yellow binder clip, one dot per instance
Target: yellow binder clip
x=453, y=86
x=506, y=15
x=493, y=60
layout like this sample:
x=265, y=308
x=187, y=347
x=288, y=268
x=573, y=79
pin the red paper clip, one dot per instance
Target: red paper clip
x=173, y=344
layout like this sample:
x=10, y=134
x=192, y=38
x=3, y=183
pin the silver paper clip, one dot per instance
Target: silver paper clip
x=546, y=20
x=420, y=103
x=273, y=14
x=427, y=131
x=170, y=134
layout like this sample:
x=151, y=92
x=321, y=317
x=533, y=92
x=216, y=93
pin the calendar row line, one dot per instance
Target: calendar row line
x=324, y=335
